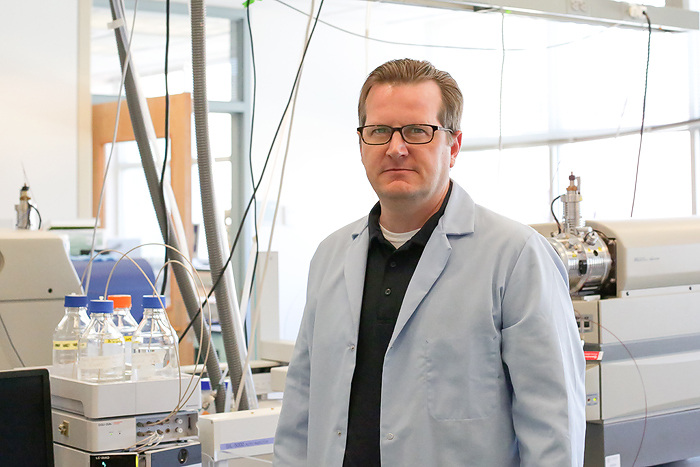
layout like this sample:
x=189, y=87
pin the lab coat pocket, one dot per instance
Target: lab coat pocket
x=461, y=376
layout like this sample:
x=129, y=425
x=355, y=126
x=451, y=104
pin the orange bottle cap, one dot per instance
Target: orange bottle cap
x=121, y=301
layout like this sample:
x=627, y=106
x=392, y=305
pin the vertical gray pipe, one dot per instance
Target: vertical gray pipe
x=141, y=123
x=211, y=225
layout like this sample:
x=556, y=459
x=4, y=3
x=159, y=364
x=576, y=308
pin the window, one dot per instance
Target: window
x=571, y=102
x=561, y=82
x=132, y=216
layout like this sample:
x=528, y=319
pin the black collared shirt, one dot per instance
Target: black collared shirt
x=389, y=271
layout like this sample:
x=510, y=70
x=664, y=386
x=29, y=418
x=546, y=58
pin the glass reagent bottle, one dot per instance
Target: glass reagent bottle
x=154, y=343
x=101, y=347
x=66, y=335
x=126, y=324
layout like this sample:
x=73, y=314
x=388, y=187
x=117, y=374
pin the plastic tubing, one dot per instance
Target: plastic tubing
x=226, y=305
x=146, y=141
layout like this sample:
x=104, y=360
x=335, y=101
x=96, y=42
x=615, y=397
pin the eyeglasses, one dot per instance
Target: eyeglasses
x=376, y=135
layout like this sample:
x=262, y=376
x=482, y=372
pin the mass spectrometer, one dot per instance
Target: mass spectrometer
x=635, y=287
x=35, y=276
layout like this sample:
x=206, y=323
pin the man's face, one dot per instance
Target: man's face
x=412, y=172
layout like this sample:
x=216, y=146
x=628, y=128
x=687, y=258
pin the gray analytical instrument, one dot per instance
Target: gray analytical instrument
x=635, y=287
x=583, y=251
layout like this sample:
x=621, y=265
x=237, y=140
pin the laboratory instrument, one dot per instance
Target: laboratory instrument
x=635, y=287
x=100, y=421
x=235, y=435
x=23, y=209
x=35, y=276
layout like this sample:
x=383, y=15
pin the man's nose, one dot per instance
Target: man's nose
x=397, y=146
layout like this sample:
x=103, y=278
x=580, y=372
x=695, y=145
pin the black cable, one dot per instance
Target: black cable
x=9, y=339
x=641, y=135
x=551, y=207
x=250, y=159
x=257, y=185
x=644, y=108
x=37, y=213
x=167, y=138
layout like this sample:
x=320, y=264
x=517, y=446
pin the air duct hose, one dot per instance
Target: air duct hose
x=146, y=141
x=215, y=243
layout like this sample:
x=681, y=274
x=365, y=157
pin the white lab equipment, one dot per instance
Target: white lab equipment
x=35, y=276
x=101, y=420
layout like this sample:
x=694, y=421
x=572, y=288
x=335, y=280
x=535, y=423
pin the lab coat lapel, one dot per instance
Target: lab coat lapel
x=432, y=262
x=457, y=221
x=354, y=271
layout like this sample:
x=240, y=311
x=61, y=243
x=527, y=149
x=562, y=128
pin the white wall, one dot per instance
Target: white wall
x=39, y=117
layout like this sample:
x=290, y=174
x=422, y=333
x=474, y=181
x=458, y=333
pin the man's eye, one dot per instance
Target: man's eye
x=380, y=131
x=416, y=130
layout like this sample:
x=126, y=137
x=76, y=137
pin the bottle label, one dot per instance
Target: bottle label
x=101, y=362
x=112, y=341
x=65, y=345
x=144, y=359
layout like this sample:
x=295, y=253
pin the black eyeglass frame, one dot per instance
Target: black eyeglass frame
x=400, y=130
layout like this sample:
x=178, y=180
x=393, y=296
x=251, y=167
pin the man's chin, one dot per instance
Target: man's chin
x=398, y=193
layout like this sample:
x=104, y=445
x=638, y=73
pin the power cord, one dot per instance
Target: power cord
x=9, y=339
x=644, y=108
x=250, y=158
x=255, y=316
x=257, y=186
x=167, y=138
x=551, y=207
x=31, y=206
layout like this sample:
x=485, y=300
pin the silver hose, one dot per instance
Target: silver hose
x=224, y=302
x=146, y=141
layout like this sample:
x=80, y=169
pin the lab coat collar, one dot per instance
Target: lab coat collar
x=459, y=213
x=458, y=220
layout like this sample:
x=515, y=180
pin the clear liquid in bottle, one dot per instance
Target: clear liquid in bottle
x=154, y=343
x=101, y=347
x=126, y=324
x=66, y=335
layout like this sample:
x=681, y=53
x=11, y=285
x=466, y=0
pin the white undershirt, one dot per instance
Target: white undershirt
x=397, y=239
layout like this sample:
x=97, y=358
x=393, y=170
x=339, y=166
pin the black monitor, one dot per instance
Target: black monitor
x=25, y=406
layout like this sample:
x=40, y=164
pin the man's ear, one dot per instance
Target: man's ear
x=456, y=146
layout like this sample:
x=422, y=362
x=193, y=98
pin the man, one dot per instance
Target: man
x=436, y=332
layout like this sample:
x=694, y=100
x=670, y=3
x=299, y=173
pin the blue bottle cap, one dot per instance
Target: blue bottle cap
x=152, y=301
x=101, y=306
x=75, y=301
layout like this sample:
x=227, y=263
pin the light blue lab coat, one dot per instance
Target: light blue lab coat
x=484, y=368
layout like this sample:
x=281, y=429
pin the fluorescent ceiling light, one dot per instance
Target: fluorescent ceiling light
x=601, y=12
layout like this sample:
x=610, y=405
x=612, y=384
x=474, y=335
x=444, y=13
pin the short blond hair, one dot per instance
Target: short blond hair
x=408, y=71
